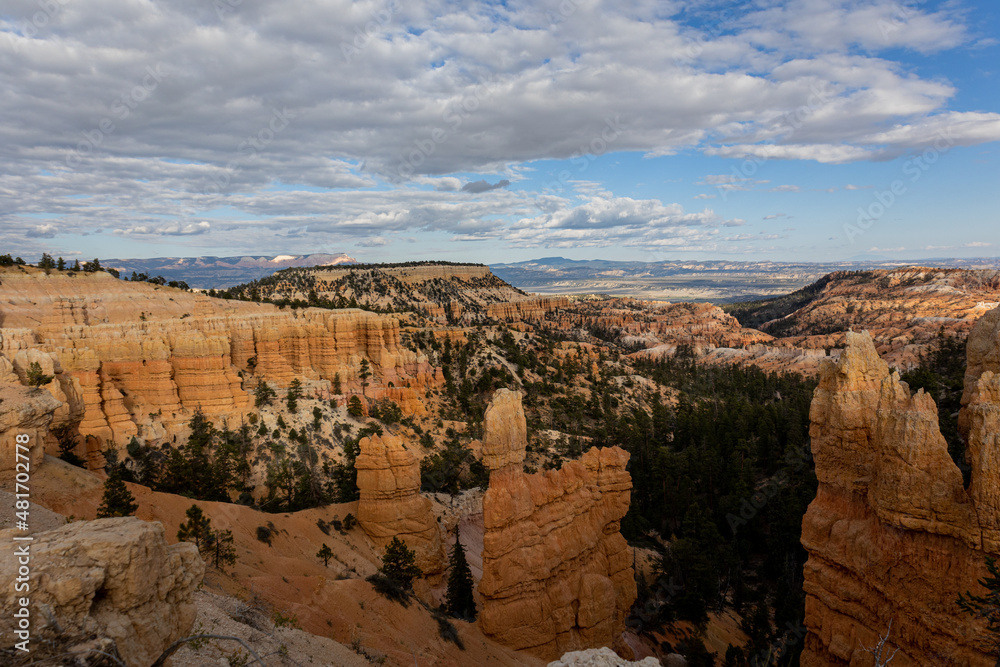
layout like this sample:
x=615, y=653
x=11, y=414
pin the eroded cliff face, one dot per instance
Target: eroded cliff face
x=391, y=504
x=127, y=354
x=557, y=574
x=893, y=536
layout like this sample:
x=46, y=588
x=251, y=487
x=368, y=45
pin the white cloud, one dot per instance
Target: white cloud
x=244, y=106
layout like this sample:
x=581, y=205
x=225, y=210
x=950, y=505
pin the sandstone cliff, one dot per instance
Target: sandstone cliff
x=126, y=355
x=111, y=579
x=892, y=535
x=557, y=573
x=391, y=504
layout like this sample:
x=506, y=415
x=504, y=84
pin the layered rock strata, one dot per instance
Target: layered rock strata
x=111, y=579
x=893, y=535
x=126, y=354
x=557, y=574
x=391, y=504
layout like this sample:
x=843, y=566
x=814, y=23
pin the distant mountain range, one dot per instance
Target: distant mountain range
x=717, y=281
x=220, y=272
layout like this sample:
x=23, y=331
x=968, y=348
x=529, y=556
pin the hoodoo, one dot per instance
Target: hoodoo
x=893, y=536
x=557, y=573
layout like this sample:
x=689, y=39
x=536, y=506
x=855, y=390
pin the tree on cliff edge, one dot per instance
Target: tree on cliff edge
x=459, y=601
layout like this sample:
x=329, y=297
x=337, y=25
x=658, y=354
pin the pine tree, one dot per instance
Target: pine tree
x=36, y=378
x=400, y=564
x=196, y=528
x=364, y=374
x=354, y=407
x=61, y=264
x=293, y=396
x=118, y=500
x=326, y=554
x=337, y=384
x=460, y=602
x=219, y=548
x=263, y=394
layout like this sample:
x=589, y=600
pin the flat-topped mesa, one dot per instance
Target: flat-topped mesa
x=893, y=536
x=557, y=574
x=391, y=504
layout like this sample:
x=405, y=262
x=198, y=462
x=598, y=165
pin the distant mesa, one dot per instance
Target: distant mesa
x=221, y=272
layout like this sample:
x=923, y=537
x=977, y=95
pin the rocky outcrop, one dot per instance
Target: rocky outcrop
x=893, y=536
x=600, y=657
x=128, y=354
x=391, y=504
x=25, y=412
x=112, y=578
x=557, y=573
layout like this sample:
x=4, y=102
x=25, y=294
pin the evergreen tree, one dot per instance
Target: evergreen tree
x=196, y=528
x=76, y=265
x=326, y=554
x=263, y=394
x=36, y=378
x=354, y=407
x=460, y=602
x=364, y=373
x=337, y=385
x=399, y=564
x=61, y=264
x=118, y=500
x=293, y=396
x=46, y=262
x=219, y=548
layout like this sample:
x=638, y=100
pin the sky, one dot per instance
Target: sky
x=805, y=130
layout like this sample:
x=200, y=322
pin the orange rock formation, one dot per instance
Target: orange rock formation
x=893, y=536
x=391, y=504
x=557, y=574
x=127, y=354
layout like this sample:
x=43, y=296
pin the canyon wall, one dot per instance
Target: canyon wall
x=128, y=354
x=391, y=504
x=557, y=574
x=893, y=536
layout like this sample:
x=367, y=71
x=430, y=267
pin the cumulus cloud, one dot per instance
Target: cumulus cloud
x=167, y=113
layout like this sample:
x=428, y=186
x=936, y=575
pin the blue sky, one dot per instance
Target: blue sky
x=496, y=132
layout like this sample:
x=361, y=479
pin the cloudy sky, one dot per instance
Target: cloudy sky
x=500, y=131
